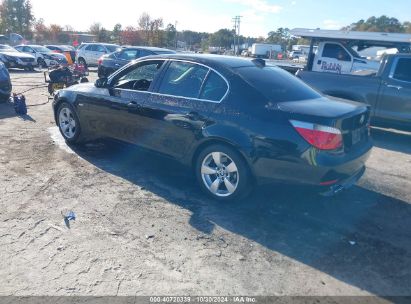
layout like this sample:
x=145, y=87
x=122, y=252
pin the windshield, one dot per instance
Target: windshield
x=112, y=48
x=6, y=48
x=41, y=49
x=276, y=84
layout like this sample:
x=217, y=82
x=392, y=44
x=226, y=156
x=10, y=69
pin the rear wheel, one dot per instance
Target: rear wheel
x=69, y=124
x=42, y=63
x=222, y=173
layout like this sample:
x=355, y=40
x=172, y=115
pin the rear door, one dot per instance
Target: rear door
x=87, y=53
x=395, y=99
x=98, y=51
x=186, y=97
x=333, y=59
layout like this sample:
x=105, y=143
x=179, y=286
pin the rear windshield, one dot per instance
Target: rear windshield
x=112, y=48
x=276, y=84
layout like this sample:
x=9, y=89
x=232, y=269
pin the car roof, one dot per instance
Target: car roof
x=214, y=61
x=99, y=43
x=149, y=48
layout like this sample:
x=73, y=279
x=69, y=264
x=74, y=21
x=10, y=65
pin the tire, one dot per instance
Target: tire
x=69, y=124
x=84, y=80
x=82, y=62
x=42, y=63
x=222, y=173
x=101, y=72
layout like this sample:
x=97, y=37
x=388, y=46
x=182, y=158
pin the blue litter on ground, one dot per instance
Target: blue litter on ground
x=71, y=216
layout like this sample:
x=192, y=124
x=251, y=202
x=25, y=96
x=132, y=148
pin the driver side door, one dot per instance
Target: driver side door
x=117, y=111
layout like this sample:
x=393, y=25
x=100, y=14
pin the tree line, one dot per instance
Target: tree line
x=16, y=16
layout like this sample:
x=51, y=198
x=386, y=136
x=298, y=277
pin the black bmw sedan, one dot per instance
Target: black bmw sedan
x=234, y=121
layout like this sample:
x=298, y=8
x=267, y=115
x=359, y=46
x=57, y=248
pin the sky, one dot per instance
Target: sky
x=258, y=16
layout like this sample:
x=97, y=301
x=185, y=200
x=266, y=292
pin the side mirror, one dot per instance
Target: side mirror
x=101, y=83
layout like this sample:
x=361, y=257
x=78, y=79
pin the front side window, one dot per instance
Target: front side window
x=214, y=88
x=336, y=51
x=90, y=48
x=138, y=77
x=183, y=79
x=403, y=70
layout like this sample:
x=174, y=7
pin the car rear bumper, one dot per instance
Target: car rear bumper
x=322, y=170
x=344, y=184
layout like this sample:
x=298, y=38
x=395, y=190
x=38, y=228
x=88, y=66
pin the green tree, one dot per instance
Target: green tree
x=170, y=35
x=222, y=38
x=116, y=34
x=16, y=16
x=378, y=24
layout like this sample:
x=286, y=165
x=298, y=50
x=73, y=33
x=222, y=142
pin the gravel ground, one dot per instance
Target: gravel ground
x=144, y=228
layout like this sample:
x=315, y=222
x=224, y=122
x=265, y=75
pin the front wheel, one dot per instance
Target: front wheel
x=69, y=124
x=222, y=173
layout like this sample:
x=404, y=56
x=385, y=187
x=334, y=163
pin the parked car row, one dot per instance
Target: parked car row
x=108, y=57
x=30, y=56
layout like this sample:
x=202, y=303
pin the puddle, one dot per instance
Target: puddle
x=58, y=139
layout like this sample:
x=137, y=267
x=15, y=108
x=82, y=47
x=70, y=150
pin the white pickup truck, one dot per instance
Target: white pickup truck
x=335, y=57
x=336, y=54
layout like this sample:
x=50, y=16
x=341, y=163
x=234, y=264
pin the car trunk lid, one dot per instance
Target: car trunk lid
x=351, y=118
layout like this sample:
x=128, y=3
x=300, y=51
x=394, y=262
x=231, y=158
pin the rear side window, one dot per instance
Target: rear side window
x=183, y=79
x=100, y=48
x=403, y=70
x=214, y=88
x=144, y=53
x=276, y=84
x=336, y=51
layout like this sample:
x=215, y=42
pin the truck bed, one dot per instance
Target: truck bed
x=354, y=87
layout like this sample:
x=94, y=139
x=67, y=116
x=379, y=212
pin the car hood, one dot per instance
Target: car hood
x=88, y=88
x=326, y=107
x=17, y=54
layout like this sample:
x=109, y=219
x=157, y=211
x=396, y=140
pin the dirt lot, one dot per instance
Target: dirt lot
x=144, y=228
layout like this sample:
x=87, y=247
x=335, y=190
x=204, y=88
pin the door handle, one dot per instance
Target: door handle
x=193, y=116
x=133, y=105
x=394, y=87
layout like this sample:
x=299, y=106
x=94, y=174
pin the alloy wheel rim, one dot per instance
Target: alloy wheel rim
x=67, y=123
x=220, y=174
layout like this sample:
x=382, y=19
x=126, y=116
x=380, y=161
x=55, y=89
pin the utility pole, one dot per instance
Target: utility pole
x=176, y=38
x=237, y=21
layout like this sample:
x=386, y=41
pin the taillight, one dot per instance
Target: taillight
x=319, y=136
x=100, y=61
